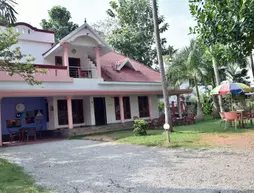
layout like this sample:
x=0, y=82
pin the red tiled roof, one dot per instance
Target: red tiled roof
x=143, y=73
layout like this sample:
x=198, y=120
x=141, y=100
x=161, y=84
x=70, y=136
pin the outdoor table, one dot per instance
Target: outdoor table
x=240, y=112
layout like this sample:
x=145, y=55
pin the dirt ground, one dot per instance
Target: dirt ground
x=245, y=140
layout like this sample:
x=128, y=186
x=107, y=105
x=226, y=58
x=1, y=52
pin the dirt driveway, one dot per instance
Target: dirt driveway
x=88, y=166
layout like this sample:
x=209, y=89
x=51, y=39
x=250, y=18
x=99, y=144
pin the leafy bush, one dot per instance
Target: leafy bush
x=207, y=104
x=140, y=127
x=161, y=106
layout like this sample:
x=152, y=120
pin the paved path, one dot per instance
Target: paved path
x=88, y=166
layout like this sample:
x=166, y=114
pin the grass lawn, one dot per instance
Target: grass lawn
x=13, y=179
x=207, y=133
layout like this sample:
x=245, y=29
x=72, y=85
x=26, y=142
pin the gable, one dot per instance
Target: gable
x=125, y=63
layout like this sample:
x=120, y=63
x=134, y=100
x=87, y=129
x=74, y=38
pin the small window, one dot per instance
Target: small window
x=58, y=61
x=29, y=31
x=143, y=106
x=117, y=108
x=23, y=31
x=17, y=30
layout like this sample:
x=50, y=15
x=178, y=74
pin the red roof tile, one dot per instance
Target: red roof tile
x=143, y=73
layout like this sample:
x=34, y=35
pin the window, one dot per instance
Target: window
x=117, y=108
x=126, y=107
x=77, y=111
x=143, y=106
x=58, y=61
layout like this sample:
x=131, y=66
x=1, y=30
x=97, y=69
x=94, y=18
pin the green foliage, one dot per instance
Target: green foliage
x=8, y=13
x=140, y=127
x=59, y=22
x=134, y=37
x=12, y=58
x=227, y=23
x=13, y=179
x=161, y=106
x=233, y=73
x=207, y=104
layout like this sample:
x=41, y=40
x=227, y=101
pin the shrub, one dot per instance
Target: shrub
x=140, y=127
x=161, y=106
x=207, y=104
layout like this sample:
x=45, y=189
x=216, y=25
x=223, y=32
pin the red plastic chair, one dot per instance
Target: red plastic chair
x=231, y=117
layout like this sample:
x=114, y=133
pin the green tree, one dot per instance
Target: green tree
x=224, y=24
x=12, y=60
x=7, y=11
x=188, y=65
x=59, y=22
x=134, y=36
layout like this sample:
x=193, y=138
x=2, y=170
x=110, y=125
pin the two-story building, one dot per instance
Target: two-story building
x=86, y=84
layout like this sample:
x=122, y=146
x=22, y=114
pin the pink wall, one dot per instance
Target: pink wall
x=52, y=75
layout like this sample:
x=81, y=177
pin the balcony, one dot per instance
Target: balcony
x=79, y=72
x=54, y=74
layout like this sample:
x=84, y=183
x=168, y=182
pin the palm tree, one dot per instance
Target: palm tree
x=189, y=65
x=233, y=73
x=160, y=60
x=7, y=11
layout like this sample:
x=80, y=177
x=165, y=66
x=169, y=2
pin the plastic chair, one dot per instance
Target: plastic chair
x=13, y=134
x=222, y=116
x=231, y=117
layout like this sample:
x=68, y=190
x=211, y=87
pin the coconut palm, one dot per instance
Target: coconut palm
x=188, y=65
x=7, y=11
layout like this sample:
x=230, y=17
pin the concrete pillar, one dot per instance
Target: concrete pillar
x=66, y=57
x=69, y=108
x=1, y=141
x=121, y=109
x=98, y=62
x=150, y=106
x=179, y=106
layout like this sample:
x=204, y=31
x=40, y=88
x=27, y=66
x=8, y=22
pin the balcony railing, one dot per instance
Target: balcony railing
x=78, y=72
x=53, y=74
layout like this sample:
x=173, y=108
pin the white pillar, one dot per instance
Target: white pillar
x=179, y=106
x=69, y=108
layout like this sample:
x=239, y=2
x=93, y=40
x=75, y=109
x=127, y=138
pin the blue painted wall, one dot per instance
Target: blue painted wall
x=8, y=111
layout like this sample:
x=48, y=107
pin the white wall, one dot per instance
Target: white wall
x=34, y=35
x=89, y=118
x=87, y=114
x=51, y=123
x=110, y=108
x=35, y=49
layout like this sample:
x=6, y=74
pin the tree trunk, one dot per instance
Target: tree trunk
x=252, y=64
x=162, y=70
x=217, y=80
x=200, y=115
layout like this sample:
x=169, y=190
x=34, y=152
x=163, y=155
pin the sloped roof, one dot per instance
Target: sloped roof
x=141, y=74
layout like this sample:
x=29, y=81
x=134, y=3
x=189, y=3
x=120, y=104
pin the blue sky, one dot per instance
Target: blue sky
x=176, y=13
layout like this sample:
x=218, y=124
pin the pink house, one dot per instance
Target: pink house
x=87, y=83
